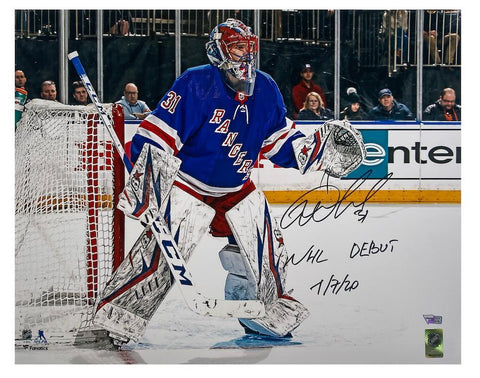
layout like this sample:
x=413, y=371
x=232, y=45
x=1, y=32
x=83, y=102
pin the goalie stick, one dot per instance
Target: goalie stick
x=197, y=302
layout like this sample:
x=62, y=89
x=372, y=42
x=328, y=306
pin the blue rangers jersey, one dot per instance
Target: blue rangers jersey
x=217, y=133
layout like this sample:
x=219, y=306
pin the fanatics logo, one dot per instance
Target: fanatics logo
x=432, y=319
x=39, y=342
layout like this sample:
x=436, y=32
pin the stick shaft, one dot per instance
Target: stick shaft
x=74, y=58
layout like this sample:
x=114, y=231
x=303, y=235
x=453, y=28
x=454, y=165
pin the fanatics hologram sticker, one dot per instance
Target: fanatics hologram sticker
x=433, y=343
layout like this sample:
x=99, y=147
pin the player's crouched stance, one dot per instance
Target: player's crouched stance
x=192, y=167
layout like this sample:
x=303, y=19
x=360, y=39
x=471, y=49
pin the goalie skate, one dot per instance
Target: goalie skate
x=282, y=316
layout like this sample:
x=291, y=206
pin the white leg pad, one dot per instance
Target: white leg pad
x=261, y=244
x=142, y=281
x=188, y=219
x=149, y=184
x=135, y=290
x=264, y=259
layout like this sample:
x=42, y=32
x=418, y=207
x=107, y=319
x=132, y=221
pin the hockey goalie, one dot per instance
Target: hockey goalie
x=193, y=157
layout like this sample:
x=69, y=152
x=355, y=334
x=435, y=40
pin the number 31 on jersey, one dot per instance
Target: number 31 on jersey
x=171, y=102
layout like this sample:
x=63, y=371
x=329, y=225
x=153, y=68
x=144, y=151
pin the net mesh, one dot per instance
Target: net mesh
x=64, y=215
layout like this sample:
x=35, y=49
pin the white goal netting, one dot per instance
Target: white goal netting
x=68, y=235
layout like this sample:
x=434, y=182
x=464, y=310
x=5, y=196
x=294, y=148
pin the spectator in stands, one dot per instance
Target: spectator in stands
x=133, y=108
x=20, y=79
x=49, y=90
x=389, y=109
x=444, y=109
x=354, y=110
x=313, y=109
x=79, y=93
x=121, y=27
x=395, y=25
x=20, y=94
x=305, y=86
x=441, y=32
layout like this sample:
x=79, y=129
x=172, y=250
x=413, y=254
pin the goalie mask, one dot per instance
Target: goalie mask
x=233, y=48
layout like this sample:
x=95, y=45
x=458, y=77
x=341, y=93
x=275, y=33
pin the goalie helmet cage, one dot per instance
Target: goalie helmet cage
x=68, y=231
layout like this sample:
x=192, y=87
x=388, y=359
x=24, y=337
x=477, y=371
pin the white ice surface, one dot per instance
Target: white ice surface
x=379, y=322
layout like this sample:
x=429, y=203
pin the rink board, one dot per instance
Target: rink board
x=408, y=162
x=413, y=162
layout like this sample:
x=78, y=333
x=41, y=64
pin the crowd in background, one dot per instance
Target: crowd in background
x=377, y=64
x=308, y=100
x=310, y=104
x=133, y=108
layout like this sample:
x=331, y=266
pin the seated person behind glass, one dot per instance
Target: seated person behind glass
x=313, y=109
x=444, y=109
x=133, y=108
x=389, y=109
x=354, y=110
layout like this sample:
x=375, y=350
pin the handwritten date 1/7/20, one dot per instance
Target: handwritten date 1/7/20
x=334, y=286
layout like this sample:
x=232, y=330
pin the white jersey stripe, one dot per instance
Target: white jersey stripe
x=276, y=141
x=155, y=138
x=167, y=129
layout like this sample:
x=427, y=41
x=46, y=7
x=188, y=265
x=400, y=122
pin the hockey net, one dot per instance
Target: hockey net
x=68, y=232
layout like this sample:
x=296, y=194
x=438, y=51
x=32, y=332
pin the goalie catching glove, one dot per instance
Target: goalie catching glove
x=335, y=148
